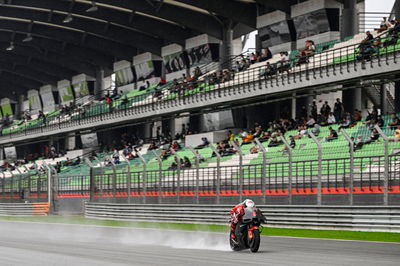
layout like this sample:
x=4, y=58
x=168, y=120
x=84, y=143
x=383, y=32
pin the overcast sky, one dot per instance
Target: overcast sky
x=370, y=6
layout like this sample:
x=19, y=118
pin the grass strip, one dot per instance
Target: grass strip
x=269, y=231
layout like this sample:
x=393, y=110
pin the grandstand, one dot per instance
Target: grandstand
x=119, y=97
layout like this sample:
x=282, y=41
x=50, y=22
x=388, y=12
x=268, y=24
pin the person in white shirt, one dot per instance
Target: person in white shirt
x=331, y=119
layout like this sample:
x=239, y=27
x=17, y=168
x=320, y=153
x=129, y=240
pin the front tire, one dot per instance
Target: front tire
x=255, y=242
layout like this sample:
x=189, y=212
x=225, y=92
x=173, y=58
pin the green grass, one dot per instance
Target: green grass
x=308, y=233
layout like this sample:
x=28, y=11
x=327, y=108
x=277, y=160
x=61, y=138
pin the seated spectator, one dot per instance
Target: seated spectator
x=115, y=156
x=257, y=131
x=374, y=137
x=292, y=143
x=254, y=149
x=266, y=55
x=76, y=162
x=204, y=143
x=331, y=119
x=368, y=48
x=265, y=136
x=332, y=135
x=385, y=24
x=197, y=72
x=346, y=122
x=248, y=139
x=380, y=122
x=357, y=115
x=175, y=146
x=186, y=162
x=308, y=50
x=153, y=146
x=316, y=130
x=395, y=121
x=68, y=162
x=301, y=133
x=311, y=122
x=269, y=71
x=274, y=141
x=358, y=143
x=397, y=134
x=284, y=62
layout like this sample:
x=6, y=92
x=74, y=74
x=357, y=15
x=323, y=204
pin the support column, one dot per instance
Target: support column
x=352, y=99
x=147, y=134
x=70, y=142
x=349, y=23
x=226, y=47
x=397, y=96
x=294, y=102
x=384, y=101
x=99, y=86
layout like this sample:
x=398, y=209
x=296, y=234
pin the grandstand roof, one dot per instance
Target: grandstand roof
x=49, y=40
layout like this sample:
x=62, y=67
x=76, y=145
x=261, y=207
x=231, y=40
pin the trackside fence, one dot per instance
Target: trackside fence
x=357, y=218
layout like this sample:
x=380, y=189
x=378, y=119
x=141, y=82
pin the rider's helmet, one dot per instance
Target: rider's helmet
x=248, y=203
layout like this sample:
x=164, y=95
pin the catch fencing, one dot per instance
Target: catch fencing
x=357, y=218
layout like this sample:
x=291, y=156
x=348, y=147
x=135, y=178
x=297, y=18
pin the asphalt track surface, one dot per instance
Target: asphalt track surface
x=24, y=243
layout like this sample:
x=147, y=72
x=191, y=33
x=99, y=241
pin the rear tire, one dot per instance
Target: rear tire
x=255, y=242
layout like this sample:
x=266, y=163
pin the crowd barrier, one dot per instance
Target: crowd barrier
x=24, y=209
x=356, y=218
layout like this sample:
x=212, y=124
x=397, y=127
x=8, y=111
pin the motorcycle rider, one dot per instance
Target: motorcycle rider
x=237, y=213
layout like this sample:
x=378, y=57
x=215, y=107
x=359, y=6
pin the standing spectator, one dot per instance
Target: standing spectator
x=314, y=110
x=338, y=110
x=325, y=110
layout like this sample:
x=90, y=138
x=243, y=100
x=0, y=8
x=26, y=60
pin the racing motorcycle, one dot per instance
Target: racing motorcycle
x=248, y=230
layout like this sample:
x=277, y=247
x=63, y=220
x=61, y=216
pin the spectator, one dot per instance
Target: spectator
x=115, y=156
x=395, y=121
x=301, y=133
x=274, y=141
x=284, y=62
x=397, y=134
x=338, y=110
x=186, y=162
x=385, y=24
x=292, y=143
x=254, y=149
x=332, y=135
x=346, y=122
x=248, y=139
x=270, y=70
x=314, y=110
x=266, y=55
x=316, y=130
x=204, y=143
x=197, y=72
x=380, y=122
x=358, y=143
x=311, y=122
x=374, y=137
x=325, y=110
x=308, y=50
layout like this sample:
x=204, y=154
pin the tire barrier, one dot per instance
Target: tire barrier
x=356, y=218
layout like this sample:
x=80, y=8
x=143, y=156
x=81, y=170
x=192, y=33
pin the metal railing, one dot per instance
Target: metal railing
x=359, y=218
x=331, y=62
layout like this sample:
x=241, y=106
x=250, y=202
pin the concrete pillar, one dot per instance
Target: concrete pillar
x=99, y=86
x=352, y=99
x=349, y=19
x=226, y=47
x=70, y=142
x=147, y=134
x=309, y=101
x=294, y=102
x=1, y=153
x=397, y=96
x=384, y=101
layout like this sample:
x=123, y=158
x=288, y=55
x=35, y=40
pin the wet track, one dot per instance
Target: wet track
x=55, y=244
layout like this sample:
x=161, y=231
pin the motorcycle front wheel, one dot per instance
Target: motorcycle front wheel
x=255, y=241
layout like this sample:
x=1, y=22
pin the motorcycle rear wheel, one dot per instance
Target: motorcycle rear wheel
x=255, y=242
